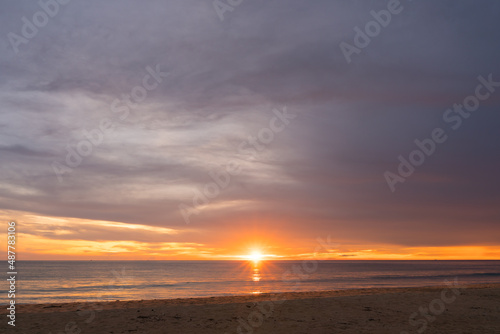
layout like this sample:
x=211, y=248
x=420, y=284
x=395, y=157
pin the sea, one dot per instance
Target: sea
x=90, y=281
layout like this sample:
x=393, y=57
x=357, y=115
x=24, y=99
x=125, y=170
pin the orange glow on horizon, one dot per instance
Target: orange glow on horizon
x=256, y=256
x=40, y=248
x=56, y=238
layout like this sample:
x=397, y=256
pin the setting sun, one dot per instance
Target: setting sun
x=256, y=256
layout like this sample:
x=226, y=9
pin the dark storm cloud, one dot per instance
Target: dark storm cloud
x=326, y=168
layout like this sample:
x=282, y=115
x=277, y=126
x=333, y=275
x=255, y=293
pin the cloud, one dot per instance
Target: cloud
x=324, y=172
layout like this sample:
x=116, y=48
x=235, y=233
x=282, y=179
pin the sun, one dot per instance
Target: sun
x=256, y=256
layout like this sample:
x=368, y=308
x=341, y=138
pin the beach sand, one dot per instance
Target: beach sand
x=468, y=309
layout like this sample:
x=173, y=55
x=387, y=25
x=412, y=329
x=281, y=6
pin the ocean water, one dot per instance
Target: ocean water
x=70, y=281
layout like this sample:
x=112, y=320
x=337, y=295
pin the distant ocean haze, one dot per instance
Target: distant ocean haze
x=88, y=281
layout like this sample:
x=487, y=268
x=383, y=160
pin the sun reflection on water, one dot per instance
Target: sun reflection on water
x=256, y=275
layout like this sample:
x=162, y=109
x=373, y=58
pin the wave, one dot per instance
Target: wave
x=338, y=280
x=434, y=276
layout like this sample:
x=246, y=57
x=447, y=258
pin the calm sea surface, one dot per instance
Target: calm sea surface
x=67, y=281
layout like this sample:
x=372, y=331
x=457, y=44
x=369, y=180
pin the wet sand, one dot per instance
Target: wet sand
x=447, y=309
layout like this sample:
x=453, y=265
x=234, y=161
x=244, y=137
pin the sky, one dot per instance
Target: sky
x=198, y=129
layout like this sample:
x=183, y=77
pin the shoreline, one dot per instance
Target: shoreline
x=120, y=304
x=471, y=307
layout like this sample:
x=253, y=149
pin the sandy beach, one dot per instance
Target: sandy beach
x=446, y=309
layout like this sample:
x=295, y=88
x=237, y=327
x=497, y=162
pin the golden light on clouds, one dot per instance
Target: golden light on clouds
x=58, y=238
